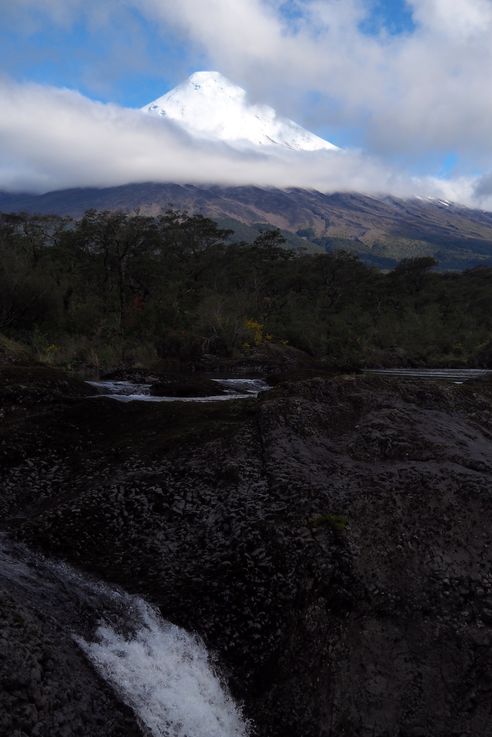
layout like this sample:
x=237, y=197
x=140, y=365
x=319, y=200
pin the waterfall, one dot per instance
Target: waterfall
x=162, y=672
x=166, y=676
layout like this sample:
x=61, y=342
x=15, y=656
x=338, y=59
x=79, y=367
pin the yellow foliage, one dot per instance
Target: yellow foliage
x=256, y=330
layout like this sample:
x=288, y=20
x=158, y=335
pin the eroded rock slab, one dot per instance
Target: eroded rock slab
x=331, y=540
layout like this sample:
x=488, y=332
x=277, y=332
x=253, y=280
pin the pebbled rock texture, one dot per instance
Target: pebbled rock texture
x=47, y=688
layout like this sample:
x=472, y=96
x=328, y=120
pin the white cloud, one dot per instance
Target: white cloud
x=422, y=93
x=53, y=139
x=458, y=19
x=425, y=90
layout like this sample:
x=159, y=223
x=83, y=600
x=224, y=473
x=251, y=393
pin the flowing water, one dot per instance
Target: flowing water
x=127, y=391
x=458, y=376
x=164, y=673
x=166, y=676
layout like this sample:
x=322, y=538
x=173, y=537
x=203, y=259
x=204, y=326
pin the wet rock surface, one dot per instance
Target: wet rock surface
x=47, y=688
x=331, y=541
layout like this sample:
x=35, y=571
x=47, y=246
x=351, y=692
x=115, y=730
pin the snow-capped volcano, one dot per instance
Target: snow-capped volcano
x=209, y=106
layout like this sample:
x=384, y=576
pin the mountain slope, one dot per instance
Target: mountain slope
x=381, y=230
x=209, y=106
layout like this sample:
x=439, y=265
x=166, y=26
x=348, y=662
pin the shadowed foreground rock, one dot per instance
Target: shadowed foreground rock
x=47, y=688
x=331, y=540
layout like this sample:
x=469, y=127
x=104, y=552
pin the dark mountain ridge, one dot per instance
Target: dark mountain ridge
x=382, y=230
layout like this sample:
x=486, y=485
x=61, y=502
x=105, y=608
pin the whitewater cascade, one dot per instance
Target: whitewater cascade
x=166, y=676
x=129, y=391
x=162, y=672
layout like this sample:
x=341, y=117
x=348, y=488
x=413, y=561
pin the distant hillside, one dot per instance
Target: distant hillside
x=381, y=230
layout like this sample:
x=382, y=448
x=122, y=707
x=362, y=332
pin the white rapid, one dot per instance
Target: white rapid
x=167, y=677
x=128, y=391
x=163, y=673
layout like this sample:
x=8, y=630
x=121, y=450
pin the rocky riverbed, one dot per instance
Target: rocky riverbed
x=330, y=541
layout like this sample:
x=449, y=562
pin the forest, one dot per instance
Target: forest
x=115, y=289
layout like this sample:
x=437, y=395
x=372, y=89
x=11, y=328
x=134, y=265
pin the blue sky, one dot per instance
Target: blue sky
x=394, y=14
x=402, y=84
x=131, y=60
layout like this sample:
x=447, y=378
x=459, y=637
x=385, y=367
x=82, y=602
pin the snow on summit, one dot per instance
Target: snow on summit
x=209, y=106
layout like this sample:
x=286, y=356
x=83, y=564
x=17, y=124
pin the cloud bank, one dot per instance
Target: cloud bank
x=419, y=91
x=55, y=139
x=412, y=96
x=422, y=91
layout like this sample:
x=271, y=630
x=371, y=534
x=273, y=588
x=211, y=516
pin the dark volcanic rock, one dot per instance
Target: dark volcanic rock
x=331, y=541
x=47, y=688
x=135, y=375
x=186, y=386
x=35, y=384
x=269, y=359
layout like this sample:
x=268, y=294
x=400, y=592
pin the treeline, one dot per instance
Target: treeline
x=115, y=288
